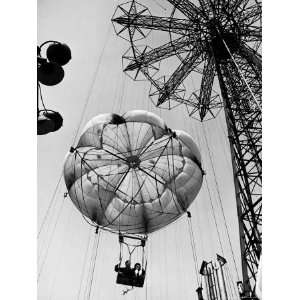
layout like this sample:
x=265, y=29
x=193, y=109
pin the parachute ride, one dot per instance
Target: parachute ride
x=132, y=175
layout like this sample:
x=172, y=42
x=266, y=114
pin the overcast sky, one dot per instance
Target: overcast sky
x=94, y=79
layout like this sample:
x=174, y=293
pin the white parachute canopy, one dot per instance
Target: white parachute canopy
x=131, y=173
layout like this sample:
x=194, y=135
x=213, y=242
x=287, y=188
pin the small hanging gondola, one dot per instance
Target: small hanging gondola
x=135, y=276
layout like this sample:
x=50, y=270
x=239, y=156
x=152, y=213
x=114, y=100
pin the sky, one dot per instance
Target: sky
x=94, y=83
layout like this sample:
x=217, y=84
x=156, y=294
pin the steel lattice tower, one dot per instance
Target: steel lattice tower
x=218, y=39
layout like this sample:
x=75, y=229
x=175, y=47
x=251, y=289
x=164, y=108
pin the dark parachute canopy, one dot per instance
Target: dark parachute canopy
x=131, y=173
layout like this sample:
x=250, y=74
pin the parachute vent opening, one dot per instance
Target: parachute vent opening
x=117, y=120
x=133, y=161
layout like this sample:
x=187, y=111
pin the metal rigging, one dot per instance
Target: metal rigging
x=216, y=39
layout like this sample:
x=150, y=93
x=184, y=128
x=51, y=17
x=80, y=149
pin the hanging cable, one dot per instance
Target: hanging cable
x=77, y=130
x=166, y=269
x=116, y=91
x=50, y=240
x=88, y=98
x=80, y=121
x=219, y=198
x=60, y=258
x=234, y=287
x=196, y=134
x=146, y=289
x=79, y=124
x=92, y=265
x=50, y=205
x=193, y=245
x=214, y=216
x=84, y=263
x=224, y=137
x=228, y=286
x=122, y=94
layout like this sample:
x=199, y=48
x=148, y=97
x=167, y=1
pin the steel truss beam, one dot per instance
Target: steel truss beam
x=173, y=25
x=184, y=69
x=206, y=87
x=169, y=49
x=245, y=132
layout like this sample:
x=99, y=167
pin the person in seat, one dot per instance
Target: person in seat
x=126, y=271
x=139, y=274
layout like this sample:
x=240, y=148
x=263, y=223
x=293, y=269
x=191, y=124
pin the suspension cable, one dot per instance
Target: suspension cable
x=230, y=281
x=214, y=216
x=219, y=198
x=84, y=263
x=78, y=127
x=193, y=245
x=196, y=133
x=50, y=205
x=50, y=240
x=79, y=124
x=122, y=94
x=60, y=258
x=224, y=137
x=88, y=98
x=92, y=265
x=228, y=286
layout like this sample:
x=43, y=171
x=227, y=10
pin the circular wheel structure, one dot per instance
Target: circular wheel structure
x=209, y=57
x=201, y=35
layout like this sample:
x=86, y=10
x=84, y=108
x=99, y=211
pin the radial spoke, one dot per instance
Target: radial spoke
x=187, y=65
x=160, y=53
x=178, y=26
x=206, y=87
